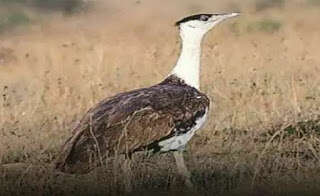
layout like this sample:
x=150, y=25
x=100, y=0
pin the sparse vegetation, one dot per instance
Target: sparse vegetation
x=262, y=135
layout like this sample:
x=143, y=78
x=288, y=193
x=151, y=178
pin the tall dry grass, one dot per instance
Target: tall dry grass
x=260, y=70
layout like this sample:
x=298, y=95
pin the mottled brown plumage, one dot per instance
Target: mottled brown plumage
x=132, y=121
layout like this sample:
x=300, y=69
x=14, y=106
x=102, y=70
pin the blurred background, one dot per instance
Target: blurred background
x=261, y=71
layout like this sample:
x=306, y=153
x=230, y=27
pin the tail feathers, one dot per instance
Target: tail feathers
x=70, y=160
x=61, y=162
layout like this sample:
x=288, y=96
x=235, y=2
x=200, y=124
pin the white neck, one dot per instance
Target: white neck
x=188, y=64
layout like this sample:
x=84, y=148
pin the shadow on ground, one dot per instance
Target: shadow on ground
x=156, y=176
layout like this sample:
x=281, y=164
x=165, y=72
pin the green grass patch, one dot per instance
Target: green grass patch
x=304, y=127
x=66, y=6
x=314, y=2
x=13, y=19
x=265, y=4
x=235, y=28
x=12, y=1
x=265, y=25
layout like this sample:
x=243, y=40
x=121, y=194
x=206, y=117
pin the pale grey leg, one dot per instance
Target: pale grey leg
x=182, y=169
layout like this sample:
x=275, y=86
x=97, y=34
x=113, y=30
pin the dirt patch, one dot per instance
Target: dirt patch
x=7, y=56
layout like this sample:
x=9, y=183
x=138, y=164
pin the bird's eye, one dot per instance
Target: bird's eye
x=204, y=18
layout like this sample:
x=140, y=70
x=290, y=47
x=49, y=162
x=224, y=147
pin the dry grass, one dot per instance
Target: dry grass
x=260, y=70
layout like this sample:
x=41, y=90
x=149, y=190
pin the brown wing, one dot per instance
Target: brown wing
x=127, y=122
x=84, y=150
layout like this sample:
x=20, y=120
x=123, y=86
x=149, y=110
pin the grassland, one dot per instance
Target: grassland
x=261, y=72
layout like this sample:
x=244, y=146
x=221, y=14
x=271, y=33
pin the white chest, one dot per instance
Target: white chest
x=179, y=141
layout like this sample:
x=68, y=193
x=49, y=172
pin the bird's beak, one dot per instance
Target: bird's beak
x=225, y=16
x=232, y=14
x=229, y=15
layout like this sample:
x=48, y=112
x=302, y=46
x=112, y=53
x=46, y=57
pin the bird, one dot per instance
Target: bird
x=159, y=119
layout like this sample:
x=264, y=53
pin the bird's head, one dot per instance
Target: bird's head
x=198, y=25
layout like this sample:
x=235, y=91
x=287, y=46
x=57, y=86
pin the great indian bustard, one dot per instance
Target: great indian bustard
x=160, y=118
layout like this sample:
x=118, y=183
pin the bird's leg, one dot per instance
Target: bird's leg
x=182, y=169
x=127, y=174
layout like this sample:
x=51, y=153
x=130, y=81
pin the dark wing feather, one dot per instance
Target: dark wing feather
x=127, y=122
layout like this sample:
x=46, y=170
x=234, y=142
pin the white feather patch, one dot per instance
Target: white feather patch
x=179, y=141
